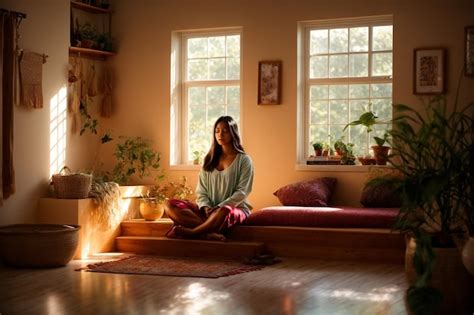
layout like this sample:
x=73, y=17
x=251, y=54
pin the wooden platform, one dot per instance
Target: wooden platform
x=375, y=245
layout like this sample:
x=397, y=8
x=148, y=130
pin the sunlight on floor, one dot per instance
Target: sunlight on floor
x=194, y=299
x=57, y=131
x=375, y=295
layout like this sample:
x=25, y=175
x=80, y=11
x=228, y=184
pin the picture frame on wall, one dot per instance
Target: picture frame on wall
x=469, y=51
x=429, y=70
x=269, y=82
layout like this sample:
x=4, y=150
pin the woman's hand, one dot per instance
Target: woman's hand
x=208, y=210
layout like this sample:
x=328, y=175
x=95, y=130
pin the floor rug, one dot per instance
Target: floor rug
x=170, y=266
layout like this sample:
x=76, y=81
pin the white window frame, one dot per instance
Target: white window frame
x=179, y=87
x=304, y=82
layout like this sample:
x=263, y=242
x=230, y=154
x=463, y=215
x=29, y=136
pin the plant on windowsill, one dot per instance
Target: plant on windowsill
x=368, y=120
x=434, y=153
x=318, y=148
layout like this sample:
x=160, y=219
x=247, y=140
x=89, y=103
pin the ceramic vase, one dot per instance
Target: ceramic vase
x=151, y=211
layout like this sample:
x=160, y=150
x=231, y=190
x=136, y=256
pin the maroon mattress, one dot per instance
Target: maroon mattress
x=333, y=217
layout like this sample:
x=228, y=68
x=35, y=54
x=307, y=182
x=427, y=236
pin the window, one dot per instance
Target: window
x=346, y=65
x=205, y=86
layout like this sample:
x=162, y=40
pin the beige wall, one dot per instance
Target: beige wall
x=143, y=29
x=269, y=32
x=45, y=30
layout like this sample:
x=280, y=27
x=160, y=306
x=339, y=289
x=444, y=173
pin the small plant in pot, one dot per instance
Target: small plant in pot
x=381, y=150
x=152, y=203
x=318, y=148
x=368, y=120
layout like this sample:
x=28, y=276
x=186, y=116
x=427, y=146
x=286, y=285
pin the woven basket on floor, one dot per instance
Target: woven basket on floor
x=71, y=186
x=38, y=245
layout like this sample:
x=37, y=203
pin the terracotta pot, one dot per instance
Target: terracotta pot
x=318, y=152
x=468, y=255
x=381, y=154
x=151, y=211
x=449, y=277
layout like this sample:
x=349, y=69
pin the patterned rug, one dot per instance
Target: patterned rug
x=170, y=266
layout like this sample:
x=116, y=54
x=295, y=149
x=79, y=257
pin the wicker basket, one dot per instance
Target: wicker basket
x=38, y=245
x=71, y=186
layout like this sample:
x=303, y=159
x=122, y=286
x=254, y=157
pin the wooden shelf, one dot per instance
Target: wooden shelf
x=89, y=8
x=87, y=52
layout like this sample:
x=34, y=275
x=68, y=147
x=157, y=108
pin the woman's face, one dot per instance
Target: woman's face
x=222, y=134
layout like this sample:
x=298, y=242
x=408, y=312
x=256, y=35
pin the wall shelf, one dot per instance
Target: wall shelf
x=90, y=52
x=89, y=8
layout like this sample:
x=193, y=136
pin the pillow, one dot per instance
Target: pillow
x=380, y=195
x=311, y=193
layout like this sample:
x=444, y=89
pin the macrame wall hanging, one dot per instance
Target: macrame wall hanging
x=89, y=92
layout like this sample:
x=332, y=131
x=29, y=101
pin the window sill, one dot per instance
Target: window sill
x=185, y=167
x=338, y=168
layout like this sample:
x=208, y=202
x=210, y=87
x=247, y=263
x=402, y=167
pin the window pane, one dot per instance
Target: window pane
x=217, y=69
x=233, y=95
x=234, y=112
x=215, y=95
x=338, y=66
x=383, y=109
x=359, y=91
x=338, y=91
x=318, y=67
x=338, y=40
x=217, y=46
x=359, y=39
x=359, y=65
x=319, y=112
x=197, y=96
x=233, y=68
x=358, y=107
x=382, y=64
x=319, y=42
x=318, y=92
x=339, y=113
x=318, y=133
x=214, y=112
x=197, y=70
x=382, y=37
x=198, y=133
x=233, y=46
x=359, y=138
x=197, y=48
x=381, y=90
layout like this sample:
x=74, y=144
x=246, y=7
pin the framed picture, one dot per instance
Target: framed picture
x=269, y=82
x=429, y=71
x=469, y=51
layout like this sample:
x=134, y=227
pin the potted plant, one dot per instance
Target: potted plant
x=434, y=154
x=88, y=35
x=318, y=148
x=381, y=150
x=153, y=201
x=368, y=120
x=135, y=156
x=339, y=146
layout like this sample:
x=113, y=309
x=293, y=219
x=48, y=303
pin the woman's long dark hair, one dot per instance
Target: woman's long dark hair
x=212, y=158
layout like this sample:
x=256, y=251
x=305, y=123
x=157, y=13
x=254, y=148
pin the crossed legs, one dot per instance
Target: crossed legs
x=189, y=224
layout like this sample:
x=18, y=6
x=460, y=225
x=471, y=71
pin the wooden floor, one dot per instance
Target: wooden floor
x=294, y=286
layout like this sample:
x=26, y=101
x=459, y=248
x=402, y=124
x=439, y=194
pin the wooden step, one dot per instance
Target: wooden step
x=140, y=227
x=377, y=245
x=153, y=245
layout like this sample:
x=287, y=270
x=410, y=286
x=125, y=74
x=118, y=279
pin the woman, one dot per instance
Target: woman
x=224, y=184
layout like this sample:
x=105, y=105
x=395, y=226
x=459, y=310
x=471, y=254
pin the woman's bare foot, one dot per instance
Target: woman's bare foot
x=183, y=231
x=214, y=237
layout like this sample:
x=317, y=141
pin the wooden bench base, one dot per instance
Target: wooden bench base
x=374, y=245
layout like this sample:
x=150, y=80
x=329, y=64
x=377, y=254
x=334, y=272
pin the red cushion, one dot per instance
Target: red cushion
x=334, y=217
x=310, y=193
